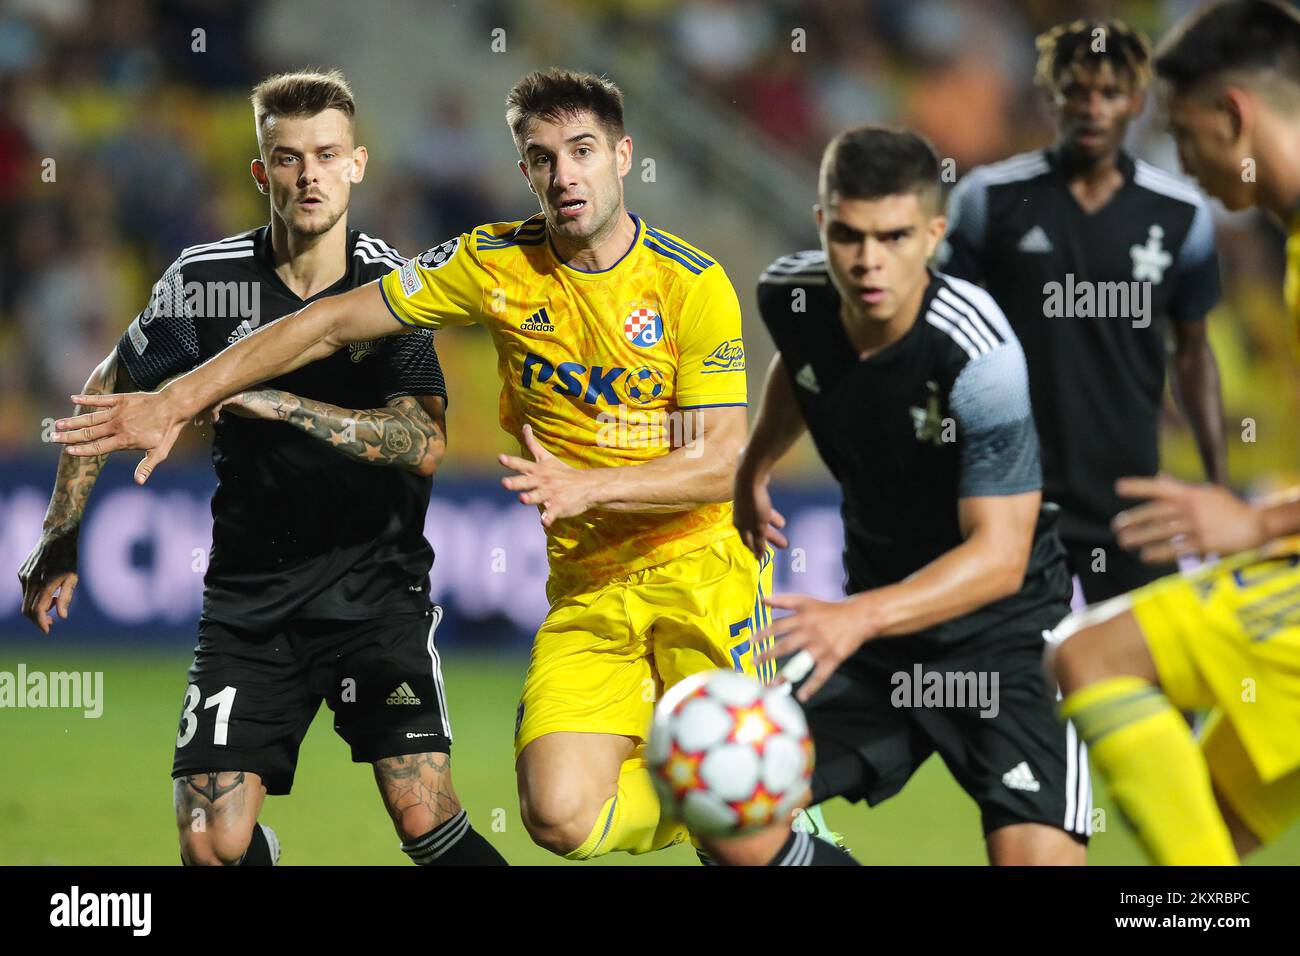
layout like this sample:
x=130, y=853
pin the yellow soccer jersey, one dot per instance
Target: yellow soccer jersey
x=598, y=363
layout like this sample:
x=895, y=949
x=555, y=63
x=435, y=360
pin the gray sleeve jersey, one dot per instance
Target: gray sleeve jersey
x=995, y=427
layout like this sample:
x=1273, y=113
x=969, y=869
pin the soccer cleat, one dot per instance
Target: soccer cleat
x=272, y=843
x=812, y=822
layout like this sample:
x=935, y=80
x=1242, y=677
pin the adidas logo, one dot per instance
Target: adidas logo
x=1020, y=777
x=808, y=379
x=1035, y=240
x=241, y=330
x=404, y=695
x=539, y=321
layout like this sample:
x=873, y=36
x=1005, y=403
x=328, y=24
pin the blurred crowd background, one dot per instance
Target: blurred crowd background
x=125, y=135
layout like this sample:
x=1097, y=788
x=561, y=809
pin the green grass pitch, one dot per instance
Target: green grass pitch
x=98, y=791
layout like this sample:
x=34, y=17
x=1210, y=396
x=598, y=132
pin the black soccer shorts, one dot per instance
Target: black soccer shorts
x=1124, y=571
x=874, y=723
x=251, y=696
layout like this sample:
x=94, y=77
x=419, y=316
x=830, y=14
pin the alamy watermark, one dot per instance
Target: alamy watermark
x=946, y=689
x=82, y=690
x=1098, y=300
x=74, y=908
x=630, y=428
x=171, y=298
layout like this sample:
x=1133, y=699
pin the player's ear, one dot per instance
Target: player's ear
x=523, y=168
x=1239, y=110
x=934, y=233
x=819, y=214
x=258, y=169
x=623, y=150
x=360, y=156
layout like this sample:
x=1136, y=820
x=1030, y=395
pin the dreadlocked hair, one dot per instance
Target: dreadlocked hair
x=1068, y=46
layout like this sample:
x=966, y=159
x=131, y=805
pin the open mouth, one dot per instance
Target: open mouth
x=311, y=201
x=572, y=207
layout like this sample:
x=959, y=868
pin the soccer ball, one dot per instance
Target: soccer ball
x=644, y=385
x=728, y=755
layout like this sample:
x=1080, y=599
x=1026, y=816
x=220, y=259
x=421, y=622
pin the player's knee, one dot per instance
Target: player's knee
x=1068, y=662
x=1043, y=854
x=1070, y=659
x=757, y=849
x=1096, y=643
x=560, y=820
x=215, y=847
x=416, y=822
x=1035, y=844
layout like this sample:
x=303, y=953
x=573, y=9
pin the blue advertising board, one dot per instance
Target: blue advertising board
x=143, y=551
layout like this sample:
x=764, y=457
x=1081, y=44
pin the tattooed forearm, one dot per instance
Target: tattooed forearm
x=402, y=434
x=72, y=484
x=76, y=476
x=51, y=567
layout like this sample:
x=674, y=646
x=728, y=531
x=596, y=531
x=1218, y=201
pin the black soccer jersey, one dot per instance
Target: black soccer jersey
x=299, y=531
x=1090, y=297
x=939, y=415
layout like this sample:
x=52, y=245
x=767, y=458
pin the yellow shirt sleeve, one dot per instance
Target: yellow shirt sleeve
x=711, y=352
x=447, y=285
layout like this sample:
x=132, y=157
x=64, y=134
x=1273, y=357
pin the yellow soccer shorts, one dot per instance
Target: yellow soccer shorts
x=604, y=657
x=1226, y=637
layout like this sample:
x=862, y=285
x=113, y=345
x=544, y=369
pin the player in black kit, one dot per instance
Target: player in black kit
x=915, y=393
x=317, y=584
x=1097, y=258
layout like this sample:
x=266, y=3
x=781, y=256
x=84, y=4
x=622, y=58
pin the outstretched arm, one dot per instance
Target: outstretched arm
x=153, y=420
x=990, y=563
x=777, y=428
x=1180, y=519
x=49, y=575
x=1195, y=383
x=999, y=494
x=1194, y=288
x=410, y=432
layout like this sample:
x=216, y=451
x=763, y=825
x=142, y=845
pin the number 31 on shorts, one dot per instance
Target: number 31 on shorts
x=223, y=700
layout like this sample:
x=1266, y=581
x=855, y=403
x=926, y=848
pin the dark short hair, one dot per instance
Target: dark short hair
x=302, y=93
x=561, y=94
x=870, y=162
x=1235, y=35
x=1070, y=45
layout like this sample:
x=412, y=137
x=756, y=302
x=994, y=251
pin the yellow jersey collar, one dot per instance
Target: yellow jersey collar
x=602, y=273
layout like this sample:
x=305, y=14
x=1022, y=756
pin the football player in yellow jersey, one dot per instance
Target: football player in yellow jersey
x=1226, y=637
x=623, y=377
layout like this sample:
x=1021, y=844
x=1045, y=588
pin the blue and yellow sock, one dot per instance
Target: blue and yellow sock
x=631, y=819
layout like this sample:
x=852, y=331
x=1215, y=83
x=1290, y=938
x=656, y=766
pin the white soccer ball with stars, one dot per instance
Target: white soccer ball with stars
x=728, y=755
